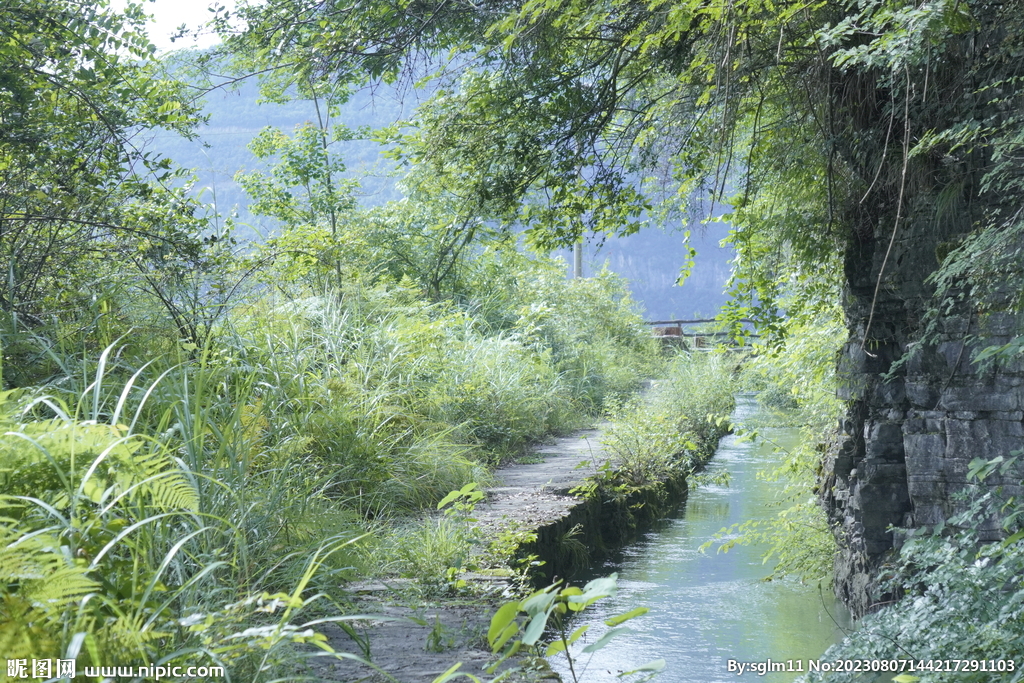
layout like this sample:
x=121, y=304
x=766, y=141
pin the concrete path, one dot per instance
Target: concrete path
x=525, y=497
x=537, y=494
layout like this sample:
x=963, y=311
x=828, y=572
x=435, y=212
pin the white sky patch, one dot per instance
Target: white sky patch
x=168, y=15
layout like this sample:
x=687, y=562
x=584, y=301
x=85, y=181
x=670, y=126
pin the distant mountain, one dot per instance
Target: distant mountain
x=651, y=259
x=236, y=116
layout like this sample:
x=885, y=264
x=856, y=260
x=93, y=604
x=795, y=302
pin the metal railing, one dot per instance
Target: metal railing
x=679, y=323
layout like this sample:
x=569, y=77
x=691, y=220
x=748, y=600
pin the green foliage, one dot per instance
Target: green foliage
x=591, y=327
x=389, y=382
x=673, y=429
x=306, y=186
x=82, y=203
x=550, y=609
x=796, y=378
x=110, y=545
x=433, y=551
x=647, y=447
x=568, y=118
x=959, y=598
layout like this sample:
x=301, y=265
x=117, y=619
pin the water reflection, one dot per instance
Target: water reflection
x=706, y=609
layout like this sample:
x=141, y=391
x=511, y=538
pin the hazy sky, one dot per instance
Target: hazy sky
x=168, y=15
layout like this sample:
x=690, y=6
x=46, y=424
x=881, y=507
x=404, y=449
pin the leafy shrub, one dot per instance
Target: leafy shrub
x=960, y=600
x=646, y=445
x=675, y=428
x=505, y=395
x=698, y=395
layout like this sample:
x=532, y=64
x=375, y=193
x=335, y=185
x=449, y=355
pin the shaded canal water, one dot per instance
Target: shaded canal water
x=708, y=608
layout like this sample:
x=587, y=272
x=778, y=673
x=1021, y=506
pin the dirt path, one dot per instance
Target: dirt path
x=525, y=497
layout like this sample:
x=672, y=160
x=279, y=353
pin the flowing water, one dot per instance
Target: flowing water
x=709, y=608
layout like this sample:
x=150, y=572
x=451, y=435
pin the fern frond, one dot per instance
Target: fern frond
x=38, y=582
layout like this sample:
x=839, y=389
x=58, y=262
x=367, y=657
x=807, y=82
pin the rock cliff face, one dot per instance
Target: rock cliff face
x=918, y=409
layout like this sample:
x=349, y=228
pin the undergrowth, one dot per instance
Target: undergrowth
x=959, y=612
x=194, y=504
x=673, y=429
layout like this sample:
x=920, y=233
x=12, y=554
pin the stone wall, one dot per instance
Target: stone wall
x=918, y=409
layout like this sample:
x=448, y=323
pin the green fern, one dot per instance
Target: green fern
x=38, y=582
x=72, y=559
x=64, y=461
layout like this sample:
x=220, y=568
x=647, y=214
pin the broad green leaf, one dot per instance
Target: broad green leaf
x=505, y=615
x=539, y=602
x=453, y=673
x=534, y=630
x=606, y=638
x=577, y=633
x=616, y=620
x=603, y=587
x=1014, y=538
x=504, y=636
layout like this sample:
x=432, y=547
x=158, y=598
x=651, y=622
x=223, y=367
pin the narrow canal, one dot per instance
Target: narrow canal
x=708, y=608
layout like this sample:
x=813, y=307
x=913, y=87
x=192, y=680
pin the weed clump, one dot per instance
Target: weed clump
x=200, y=502
x=673, y=429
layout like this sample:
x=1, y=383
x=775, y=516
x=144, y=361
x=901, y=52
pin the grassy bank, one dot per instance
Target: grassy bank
x=199, y=504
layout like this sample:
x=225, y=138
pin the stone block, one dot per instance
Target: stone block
x=1000, y=323
x=954, y=354
x=883, y=452
x=876, y=476
x=883, y=441
x=979, y=398
x=890, y=393
x=921, y=394
x=842, y=465
x=884, y=432
x=926, y=362
x=852, y=386
x=954, y=471
x=924, y=491
x=1006, y=383
x=924, y=454
x=982, y=438
x=956, y=325
x=928, y=514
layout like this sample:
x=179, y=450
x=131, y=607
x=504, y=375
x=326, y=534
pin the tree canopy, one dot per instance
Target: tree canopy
x=821, y=123
x=78, y=94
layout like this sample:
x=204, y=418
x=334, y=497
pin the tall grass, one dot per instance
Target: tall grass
x=590, y=327
x=120, y=547
x=673, y=429
x=190, y=507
